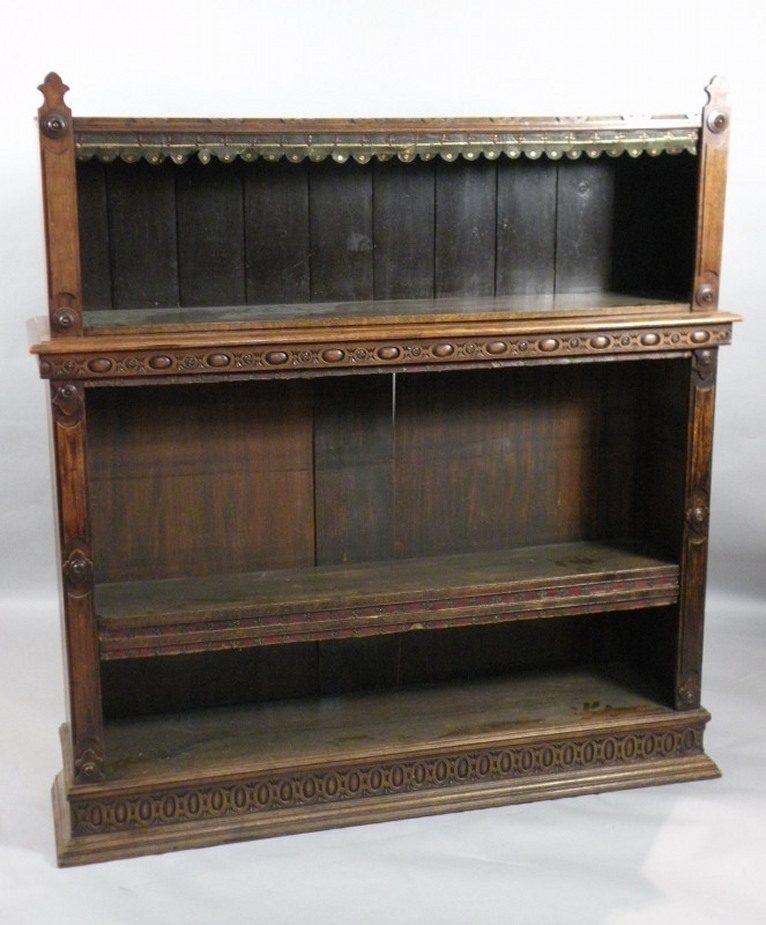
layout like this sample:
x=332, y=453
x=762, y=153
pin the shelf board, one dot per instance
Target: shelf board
x=520, y=307
x=219, y=776
x=184, y=615
x=296, y=734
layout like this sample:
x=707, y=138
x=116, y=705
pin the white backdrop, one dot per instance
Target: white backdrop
x=688, y=853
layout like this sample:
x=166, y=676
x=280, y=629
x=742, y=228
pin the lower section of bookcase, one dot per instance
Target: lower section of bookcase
x=197, y=782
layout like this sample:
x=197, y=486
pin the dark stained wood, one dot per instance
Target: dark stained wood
x=404, y=201
x=468, y=450
x=347, y=666
x=465, y=228
x=714, y=135
x=353, y=464
x=143, y=235
x=584, y=225
x=341, y=231
x=526, y=227
x=697, y=525
x=208, y=680
x=369, y=599
x=57, y=161
x=620, y=490
x=245, y=450
x=496, y=650
x=93, y=213
x=644, y=189
x=276, y=208
x=663, y=452
x=543, y=307
x=211, y=235
x=297, y=733
x=383, y=468
x=85, y=745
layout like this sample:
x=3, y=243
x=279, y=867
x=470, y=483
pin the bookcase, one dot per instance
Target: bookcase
x=382, y=455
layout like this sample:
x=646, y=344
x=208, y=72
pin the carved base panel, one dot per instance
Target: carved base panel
x=131, y=817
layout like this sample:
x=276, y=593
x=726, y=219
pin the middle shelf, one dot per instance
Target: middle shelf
x=204, y=613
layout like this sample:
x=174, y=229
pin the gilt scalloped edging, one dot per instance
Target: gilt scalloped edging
x=556, y=146
x=395, y=353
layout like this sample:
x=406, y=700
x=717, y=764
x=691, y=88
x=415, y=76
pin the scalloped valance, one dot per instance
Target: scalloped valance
x=567, y=142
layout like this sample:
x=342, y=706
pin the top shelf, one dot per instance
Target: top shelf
x=515, y=308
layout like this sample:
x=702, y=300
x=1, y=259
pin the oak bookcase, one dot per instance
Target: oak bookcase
x=382, y=453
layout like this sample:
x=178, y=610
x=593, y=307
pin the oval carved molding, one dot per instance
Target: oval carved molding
x=296, y=789
x=401, y=353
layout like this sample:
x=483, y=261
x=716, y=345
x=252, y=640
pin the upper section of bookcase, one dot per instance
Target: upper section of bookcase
x=354, y=223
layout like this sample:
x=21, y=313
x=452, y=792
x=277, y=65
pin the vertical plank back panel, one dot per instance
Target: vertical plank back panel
x=584, y=225
x=621, y=481
x=664, y=450
x=276, y=209
x=526, y=226
x=469, y=446
x=142, y=230
x=341, y=231
x=353, y=435
x=404, y=230
x=94, y=235
x=154, y=453
x=465, y=228
x=210, y=233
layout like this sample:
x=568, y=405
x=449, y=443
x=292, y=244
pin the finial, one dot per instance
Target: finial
x=55, y=115
x=717, y=115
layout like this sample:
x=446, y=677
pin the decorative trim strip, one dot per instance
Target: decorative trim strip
x=273, y=792
x=569, y=142
x=398, y=353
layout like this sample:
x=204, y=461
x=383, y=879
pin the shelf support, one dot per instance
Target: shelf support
x=85, y=727
x=697, y=520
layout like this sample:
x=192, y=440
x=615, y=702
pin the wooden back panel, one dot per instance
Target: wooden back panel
x=261, y=232
x=363, y=468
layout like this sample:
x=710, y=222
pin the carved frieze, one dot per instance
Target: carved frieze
x=301, y=788
x=276, y=358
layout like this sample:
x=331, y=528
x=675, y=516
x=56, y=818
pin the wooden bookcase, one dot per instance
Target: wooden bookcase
x=382, y=453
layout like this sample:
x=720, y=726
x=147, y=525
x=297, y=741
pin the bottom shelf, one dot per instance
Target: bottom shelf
x=226, y=775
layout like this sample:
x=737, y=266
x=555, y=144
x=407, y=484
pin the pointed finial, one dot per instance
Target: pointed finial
x=53, y=89
x=717, y=113
x=55, y=115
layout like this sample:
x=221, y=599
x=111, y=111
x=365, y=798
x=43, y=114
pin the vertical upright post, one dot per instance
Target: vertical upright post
x=697, y=520
x=714, y=149
x=60, y=200
x=86, y=737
